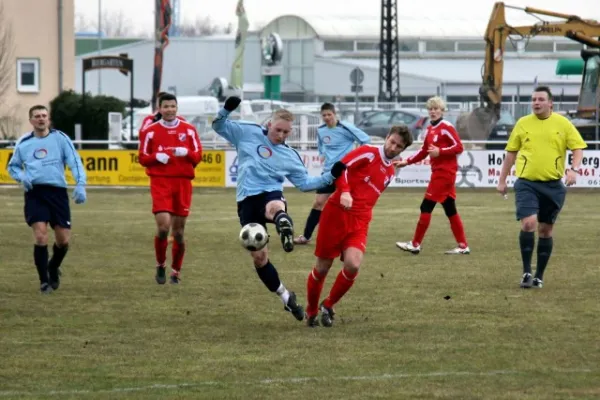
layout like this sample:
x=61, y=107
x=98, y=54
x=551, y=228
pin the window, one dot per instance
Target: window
x=408, y=45
x=471, y=46
x=366, y=46
x=569, y=47
x=338, y=45
x=403, y=118
x=440, y=45
x=381, y=118
x=539, y=47
x=28, y=75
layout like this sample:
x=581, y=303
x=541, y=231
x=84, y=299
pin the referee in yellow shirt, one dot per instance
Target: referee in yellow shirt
x=539, y=144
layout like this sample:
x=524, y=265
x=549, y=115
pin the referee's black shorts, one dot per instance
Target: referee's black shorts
x=45, y=203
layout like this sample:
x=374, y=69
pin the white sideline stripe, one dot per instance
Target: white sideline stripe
x=369, y=378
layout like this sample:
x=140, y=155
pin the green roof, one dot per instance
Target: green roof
x=90, y=45
x=569, y=66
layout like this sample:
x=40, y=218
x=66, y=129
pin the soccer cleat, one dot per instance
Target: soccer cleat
x=526, y=281
x=408, y=246
x=312, y=322
x=174, y=279
x=286, y=233
x=54, y=278
x=293, y=307
x=45, y=288
x=161, y=275
x=459, y=250
x=537, y=283
x=327, y=315
x=301, y=240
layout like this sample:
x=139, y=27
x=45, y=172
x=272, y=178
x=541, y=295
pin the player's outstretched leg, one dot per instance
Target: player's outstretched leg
x=268, y=275
x=161, y=243
x=457, y=227
x=58, y=255
x=343, y=283
x=544, y=251
x=285, y=228
x=414, y=246
x=178, y=249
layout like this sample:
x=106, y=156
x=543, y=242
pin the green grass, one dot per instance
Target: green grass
x=110, y=332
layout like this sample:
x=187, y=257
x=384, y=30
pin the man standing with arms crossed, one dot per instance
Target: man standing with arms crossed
x=265, y=161
x=538, y=143
x=335, y=139
x=38, y=164
x=170, y=150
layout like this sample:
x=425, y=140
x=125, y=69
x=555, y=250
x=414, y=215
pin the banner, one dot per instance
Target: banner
x=477, y=169
x=121, y=168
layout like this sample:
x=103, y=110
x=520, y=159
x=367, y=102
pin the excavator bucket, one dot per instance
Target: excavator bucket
x=476, y=125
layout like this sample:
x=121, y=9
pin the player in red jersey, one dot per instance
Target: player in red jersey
x=442, y=144
x=346, y=217
x=152, y=118
x=170, y=150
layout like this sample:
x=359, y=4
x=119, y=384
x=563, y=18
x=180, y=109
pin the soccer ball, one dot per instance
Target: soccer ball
x=254, y=237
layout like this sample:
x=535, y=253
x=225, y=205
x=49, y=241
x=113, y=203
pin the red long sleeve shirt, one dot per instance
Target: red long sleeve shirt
x=442, y=135
x=164, y=137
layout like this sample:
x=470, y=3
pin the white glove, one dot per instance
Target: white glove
x=162, y=158
x=180, y=151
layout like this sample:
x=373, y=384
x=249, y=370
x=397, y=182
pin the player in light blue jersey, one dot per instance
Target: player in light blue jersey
x=335, y=139
x=264, y=162
x=38, y=164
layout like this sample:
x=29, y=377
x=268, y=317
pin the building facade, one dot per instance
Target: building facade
x=320, y=53
x=39, y=53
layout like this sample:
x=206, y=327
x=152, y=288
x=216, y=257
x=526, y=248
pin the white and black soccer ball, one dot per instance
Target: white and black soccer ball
x=254, y=237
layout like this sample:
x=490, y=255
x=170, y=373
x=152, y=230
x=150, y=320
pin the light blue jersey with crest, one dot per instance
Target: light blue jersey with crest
x=262, y=165
x=43, y=160
x=334, y=143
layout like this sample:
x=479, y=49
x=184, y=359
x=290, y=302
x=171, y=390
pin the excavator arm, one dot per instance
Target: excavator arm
x=498, y=32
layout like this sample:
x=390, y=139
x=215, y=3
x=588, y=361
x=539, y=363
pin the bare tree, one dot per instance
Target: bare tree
x=203, y=26
x=8, y=122
x=114, y=24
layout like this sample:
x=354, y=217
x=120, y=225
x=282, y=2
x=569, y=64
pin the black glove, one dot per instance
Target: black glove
x=232, y=103
x=337, y=169
x=157, y=117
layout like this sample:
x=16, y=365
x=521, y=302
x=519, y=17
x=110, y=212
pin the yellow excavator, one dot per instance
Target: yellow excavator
x=478, y=124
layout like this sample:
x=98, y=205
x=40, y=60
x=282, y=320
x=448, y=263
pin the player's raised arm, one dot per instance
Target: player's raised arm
x=358, y=135
x=146, y=155
x=456, y=147
x=421, y=154
x=229, y=130
x=300, y=178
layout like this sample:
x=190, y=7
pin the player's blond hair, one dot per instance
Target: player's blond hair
x=436, y=102
x=284, y=115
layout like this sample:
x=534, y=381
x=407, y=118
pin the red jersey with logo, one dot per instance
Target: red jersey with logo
x=163, y=137
x=152, y=118
x=368, y=173
x=442, y=135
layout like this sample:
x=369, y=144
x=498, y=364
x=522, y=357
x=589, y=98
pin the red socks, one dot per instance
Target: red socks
x=422, y=225
x=177, y=253
x=458, y=230
x=342, y=284
x=314, y=287
x=160, y=249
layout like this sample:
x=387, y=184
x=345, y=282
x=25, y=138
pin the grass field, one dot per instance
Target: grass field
x=110, y=332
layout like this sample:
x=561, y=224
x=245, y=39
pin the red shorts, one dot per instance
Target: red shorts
x=172, y=195
x=441, y=187
x=340, y=230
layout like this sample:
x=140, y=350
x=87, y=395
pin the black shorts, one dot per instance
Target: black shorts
x=329, y=189
x=253, y=208
x=544, y=199
x=45, y=203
